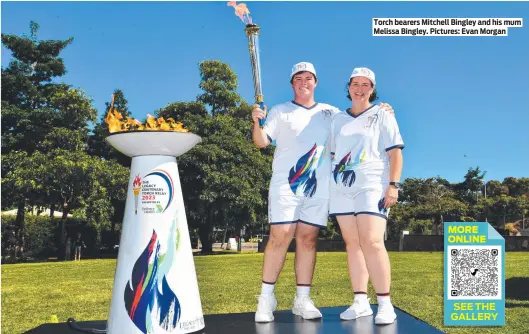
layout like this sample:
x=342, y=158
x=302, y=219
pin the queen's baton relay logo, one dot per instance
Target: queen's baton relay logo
x=154, y=192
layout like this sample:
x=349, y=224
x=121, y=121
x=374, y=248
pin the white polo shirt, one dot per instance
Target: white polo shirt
x=360, y=144
x=302, y=163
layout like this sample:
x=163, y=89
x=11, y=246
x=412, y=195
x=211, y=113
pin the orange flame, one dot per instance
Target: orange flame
x=137, y=181
x=116, y=123
x=241, y=11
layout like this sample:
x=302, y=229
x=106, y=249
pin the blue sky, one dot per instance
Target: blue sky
x=460, y=101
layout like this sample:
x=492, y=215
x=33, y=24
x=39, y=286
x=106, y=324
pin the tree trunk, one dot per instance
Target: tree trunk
x=21, y=231
x=112, y=232
x=205, y=231
x=62, y=247
x=225, y=231
x=52, y=213
x=63, y=222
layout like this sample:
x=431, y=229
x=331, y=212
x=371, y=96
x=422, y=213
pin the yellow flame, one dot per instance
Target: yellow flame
x=242, y=11
x=116, y=123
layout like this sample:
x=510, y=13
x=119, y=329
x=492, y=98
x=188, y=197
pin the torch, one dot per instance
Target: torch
x=252, y=31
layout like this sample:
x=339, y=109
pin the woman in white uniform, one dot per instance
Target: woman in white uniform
x=366, y=147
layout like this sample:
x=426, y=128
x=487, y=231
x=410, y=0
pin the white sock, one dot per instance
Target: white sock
x=384, y=299
x=303, y=290
x=361, y=297
x=267, y=289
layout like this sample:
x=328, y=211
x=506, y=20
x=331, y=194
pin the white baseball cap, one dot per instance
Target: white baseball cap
x=302, y=67
x=363, y=72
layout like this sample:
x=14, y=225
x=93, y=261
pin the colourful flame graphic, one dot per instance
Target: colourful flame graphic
x=302, y=178
x=137, y=181
x=381, y=207
x=147, y=305
x=344, y=172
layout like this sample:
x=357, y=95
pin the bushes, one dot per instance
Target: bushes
x=39, y=236
x=42, y=237
x=420, y=226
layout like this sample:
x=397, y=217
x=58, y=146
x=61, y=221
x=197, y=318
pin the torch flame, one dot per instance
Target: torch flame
x=137, y=181
x=116, y=123
x=241, y=11
x=113, y=120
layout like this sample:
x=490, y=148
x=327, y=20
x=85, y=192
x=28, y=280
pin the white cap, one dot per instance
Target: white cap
x=302, y=67
x=363, y=72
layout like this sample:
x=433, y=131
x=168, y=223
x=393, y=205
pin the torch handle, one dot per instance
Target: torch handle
x=262, y=120
x=252, y=31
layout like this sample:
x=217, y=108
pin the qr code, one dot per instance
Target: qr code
x=474, y=272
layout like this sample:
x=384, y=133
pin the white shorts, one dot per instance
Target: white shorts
x=362, y=200
x=291, y=209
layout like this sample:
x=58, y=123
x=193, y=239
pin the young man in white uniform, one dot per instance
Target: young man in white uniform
x=299, y=188
x=367, y=162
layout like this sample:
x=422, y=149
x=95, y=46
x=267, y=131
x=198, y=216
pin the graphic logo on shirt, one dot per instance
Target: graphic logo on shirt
x=344, y=172
x=302, y=177
x=371, y=120
x=381, y=207
x=326, y=113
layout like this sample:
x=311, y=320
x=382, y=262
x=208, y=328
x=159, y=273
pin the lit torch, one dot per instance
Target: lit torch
x=252, y=31
x=136, y=187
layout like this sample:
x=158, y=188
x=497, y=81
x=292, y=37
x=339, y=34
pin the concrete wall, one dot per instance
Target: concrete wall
x=436, y=243
x=517, y=243
x=328, y=245
x=411, y=243
x=429, y=243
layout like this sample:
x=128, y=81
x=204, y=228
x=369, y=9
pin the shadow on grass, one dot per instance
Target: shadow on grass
x=517, y=288
x=512, y=305
x=223, y=253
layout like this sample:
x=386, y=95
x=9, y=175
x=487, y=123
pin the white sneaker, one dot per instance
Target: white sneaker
x=265, y=308
x=385, y=315
x=360, y=308
x=304, y=307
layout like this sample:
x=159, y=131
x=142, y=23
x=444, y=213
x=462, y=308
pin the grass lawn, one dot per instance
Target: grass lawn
x=32, y=293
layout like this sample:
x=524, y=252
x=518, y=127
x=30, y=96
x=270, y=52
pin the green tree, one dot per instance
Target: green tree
x=420, y=226
x=107, y=185
x=74, y=181
x=45, y=134
x=481, y=211
x=496, y=188
x=411, y=190
x=517, y=187
x=472, y=186
x=429, y=199
x=522, y=206
x=35, y=63
x=398, y=218
x=224, y=178
x=19, y=189
x=434, y=193
x=27, y=111
x=218, y=82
